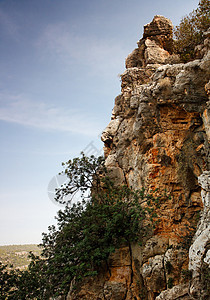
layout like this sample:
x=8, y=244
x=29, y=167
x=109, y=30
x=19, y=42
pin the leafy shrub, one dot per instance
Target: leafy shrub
x=87, y=232
x=189, y=33
x=7, y=280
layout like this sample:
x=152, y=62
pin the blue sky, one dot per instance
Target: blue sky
x=59, y=62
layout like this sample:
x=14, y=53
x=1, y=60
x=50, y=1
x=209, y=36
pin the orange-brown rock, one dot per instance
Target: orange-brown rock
x=158, y=139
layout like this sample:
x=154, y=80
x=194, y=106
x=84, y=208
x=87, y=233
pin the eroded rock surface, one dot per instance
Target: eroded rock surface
x=155, y=47
x=199, y=253
x=158, y=139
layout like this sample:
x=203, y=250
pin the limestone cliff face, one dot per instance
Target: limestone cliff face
x=158, y=139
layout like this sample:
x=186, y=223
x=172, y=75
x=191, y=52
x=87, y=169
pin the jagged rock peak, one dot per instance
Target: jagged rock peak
x=155, y=47
x=159, y=25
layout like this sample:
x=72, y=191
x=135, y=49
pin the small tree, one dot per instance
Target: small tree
x=189, y=33
x=87, y=232
x=84, y=174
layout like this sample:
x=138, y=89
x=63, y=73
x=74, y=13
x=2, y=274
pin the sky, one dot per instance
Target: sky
x=59, y=74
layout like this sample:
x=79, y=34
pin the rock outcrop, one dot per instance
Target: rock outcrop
x=155, y=47
x=158, y=139
x=199, y=254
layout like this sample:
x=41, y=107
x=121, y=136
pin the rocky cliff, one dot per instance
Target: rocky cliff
x=158, y=139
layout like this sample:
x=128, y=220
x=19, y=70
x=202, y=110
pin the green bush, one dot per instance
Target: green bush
x=189, y=33
x=7, y=281
x=87, y=232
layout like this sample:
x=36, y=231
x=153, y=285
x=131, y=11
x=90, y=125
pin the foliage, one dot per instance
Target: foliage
x=170, y=282
x=27, y=284
x=83, y=173
x=7, y=281
x=189, y=33
x=87, y=232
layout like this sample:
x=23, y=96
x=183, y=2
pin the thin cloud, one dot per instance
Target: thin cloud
x=61, y=42
x=9, y=26
x=18, y=109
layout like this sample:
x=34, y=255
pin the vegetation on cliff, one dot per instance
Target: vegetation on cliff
x=87, y=232
x=108, y=216
x=190, y=32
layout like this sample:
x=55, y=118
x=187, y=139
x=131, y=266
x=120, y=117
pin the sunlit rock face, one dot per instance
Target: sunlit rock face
x=158, y=139
x=156, y=45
